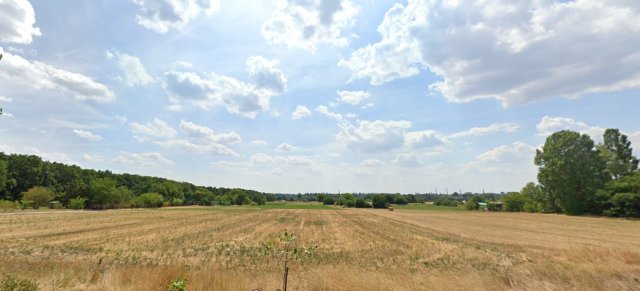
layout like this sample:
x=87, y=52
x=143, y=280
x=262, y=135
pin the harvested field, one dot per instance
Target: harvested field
x=219, y=249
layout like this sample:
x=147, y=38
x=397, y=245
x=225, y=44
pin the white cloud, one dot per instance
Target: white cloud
x=310, y=23
x=134, y=72
x=92, y=158
x=266, y=75
x=142, y=159
x=161, y=15
x=300, y=112
x=324, y=110
x=259, y=143
x=5, y=99
x=517, y=157
x=549, y=125
x=212, y=90
x=372, y=163
x=285, y=147
x=34, y=74
x=152, y=130
x=408, y=160
x=261, y=158
x=88, y=135
x=197, y=148
x=373, y=136
x=492, y=128
x=18, y=22
x=424, y=139
x=293, y=160
x=515, y=52
x=203, y=134
x=353, y=97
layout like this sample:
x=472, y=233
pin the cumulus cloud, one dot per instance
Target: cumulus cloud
x=294, y=160
x=5, y=99
x=142, y=159
x=493, y=128
x=353, y=97
x=310, y=23
x=87, y=135
x=38, y=75
x=18, y=22
x=132, y=68
x=424, y=139
x=506, y=158
x=516, y=52
x=300, y=112
x=408, y=160
x=549, y=125
x=259, y=143
x=285, y=147
x=212, y=90
x=152, y=130
x=162, y=15
x=373, y=136
x=194, y=138
x=324, y=110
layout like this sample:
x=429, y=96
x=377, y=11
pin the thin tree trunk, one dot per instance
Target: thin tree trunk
x=285, y=277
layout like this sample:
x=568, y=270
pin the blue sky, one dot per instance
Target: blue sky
x=315, y=95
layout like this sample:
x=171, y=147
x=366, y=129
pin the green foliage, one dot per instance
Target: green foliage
x=379, y=201
x=103, y=193
x=177, y=202
x=320, y=197
x=38, y=196
x=570, y=169
x=10, y=283
x=398, y=199
x=328, y=200
x=178, y=284
x=624, y=204
x=77, y=203
x=445, y=202
x=617, y=153
x=473, y=203
x=149, y=200
x=514, y=202
x=287, y=249
x=360, y=203
x=8, y=205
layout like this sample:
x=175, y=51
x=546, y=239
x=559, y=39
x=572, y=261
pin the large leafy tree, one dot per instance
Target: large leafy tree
x=617, y=152
x=571, y=170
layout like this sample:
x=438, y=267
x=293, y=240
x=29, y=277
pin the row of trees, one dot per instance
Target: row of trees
x=72, y=186
x=577, y=176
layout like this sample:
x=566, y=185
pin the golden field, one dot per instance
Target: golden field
x=219, y=248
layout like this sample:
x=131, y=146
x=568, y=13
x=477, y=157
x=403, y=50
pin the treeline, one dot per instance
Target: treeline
x=397, y=198
x=577, y=176
x=28, y=176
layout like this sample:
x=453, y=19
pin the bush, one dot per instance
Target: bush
x=624, y=204
x=178, y=284
x=149, y=200
x=472, y=204
x=77, y=203
x=514, y=202
x=328, y=200
x=39, y=196
x=379, y=201
x=350, y=203
x=400, y=200
x=7, y=205
x=360, y=203
x=10, y=283
x=446, y=202
x=177, y=202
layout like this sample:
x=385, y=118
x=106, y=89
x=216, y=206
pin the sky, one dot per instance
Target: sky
x=296, y=96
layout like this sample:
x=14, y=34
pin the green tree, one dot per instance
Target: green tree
x=38, y=196
x=149, y=200
x=328, y=200
x=360, y=203
x=571, y=170
x=3, y=177
x=514, y=202
x=474, y=202
x=77, y=203
x=536, y=200
x=103, y=193
x=617, y=153
x=379, y=201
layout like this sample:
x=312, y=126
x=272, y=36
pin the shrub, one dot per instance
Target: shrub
x=328, y=200
x=149, y=200
x=472, y=204
x=350, y=203
x=7, y=205
x=400, y=200
x=514, y=202
x=177, y=202
x=179, y=284
x=360, y=203
x=445, y=202
x=379, y=201
x=39, y=196
x=624, y=204
x=77, y=203
x=10, y=283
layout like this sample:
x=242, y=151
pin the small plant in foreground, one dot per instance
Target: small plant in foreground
x=286, y=250
x=10, y=283
x=179, y=284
